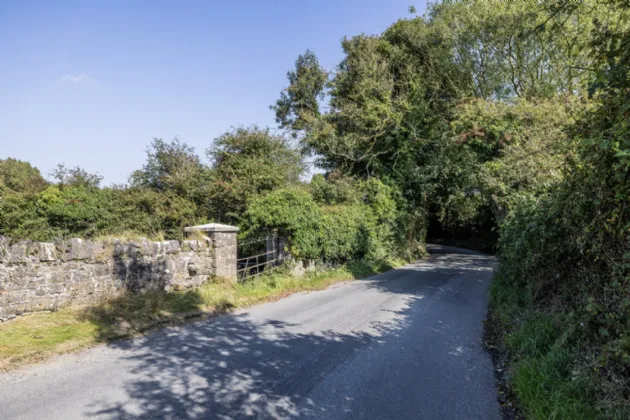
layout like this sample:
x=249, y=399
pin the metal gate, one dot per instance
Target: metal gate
x=257, y=256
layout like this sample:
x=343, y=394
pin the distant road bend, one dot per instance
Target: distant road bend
x=406, y=344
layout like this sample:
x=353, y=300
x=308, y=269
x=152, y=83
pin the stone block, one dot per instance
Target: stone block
x=169, y=267
x=80, y=277
x=156, y=249
x=43, y=304
x=120, y=249
x=34, y=283
x=310, y=265
x=56, y=288
x=298, y=269
x=193, y=245
x=170, y=247
x=77, y=249
x=146, y=248
x=192, y=269
x=133, y=248
x=101, y=270
x=102, y=250
x=18, y=253
x=47, y=252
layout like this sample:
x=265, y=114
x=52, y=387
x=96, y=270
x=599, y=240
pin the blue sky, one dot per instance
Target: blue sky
x=90, y=83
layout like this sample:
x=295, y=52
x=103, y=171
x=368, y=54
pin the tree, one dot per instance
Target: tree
x=247, y=162
x=298, y=105
x=75, y=177
x=385, y=96
x=524, y=49
x=18, y=176
x=397, y=97
x=172, y=167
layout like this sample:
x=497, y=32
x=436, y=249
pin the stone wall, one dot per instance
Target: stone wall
x=37, y=276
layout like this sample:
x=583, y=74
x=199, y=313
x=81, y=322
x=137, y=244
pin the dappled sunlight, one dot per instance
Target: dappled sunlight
x=242, y=366
x=231, y=368
x=312, y=355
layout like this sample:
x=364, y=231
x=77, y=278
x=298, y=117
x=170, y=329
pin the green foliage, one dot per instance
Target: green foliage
x=75, y=177
x=21, y=177
x=349, y=239
x=298, y=103
x=504, y=153
x=153, y=213
x=294, y=214
x=362, y=227
x=246, y=163
x=174, y=189
x=524, y=49
x=465, y=109
x=334, y=188
x=545, y=375
x=547, y=392
x=172, y=167
x=75, y=211
x=21, y=219
x=569, y=250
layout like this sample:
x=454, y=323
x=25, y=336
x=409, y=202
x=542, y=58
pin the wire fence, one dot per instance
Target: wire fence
x=256, y=257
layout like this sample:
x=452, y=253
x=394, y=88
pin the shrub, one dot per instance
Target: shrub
x=293, y=213
x=248, y=162
x=363, y=227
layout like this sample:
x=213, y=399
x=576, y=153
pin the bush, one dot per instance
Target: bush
x=248, y=162
x=363, y=227
x=293, y=213
x=345, y=232
x=61, y=212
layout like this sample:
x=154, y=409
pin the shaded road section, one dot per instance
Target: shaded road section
x=406, y=344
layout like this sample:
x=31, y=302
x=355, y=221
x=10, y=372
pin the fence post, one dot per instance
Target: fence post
x=223, y=239
x=272, y=246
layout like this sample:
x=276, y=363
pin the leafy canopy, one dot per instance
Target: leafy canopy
x=248, y=162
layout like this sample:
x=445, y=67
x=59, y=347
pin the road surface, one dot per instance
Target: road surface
x=406, y=344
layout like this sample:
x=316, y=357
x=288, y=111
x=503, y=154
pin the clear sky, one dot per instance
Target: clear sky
x=90, y=83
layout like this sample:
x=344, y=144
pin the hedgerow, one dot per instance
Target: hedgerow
x=362, y=227
x=566, y=257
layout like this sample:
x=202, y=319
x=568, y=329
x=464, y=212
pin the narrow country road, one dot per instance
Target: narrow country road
x=406, y=344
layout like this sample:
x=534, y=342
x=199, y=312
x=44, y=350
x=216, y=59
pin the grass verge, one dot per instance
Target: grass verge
x=38, y=336
x=542, y=358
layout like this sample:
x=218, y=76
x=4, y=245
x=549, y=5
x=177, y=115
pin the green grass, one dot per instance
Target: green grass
x=37, y=336
x=543, y=350
x=546, y=391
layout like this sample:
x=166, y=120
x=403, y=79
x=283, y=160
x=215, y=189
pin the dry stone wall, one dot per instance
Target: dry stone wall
x=37, y=276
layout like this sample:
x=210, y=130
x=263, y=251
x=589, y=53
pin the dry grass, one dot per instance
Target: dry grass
x=131, y=236
x=35, y=337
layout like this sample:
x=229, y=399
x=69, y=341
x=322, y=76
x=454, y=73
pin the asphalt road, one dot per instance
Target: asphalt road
x=406, y=344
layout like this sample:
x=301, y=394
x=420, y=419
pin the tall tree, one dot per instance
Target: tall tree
x=298, y=105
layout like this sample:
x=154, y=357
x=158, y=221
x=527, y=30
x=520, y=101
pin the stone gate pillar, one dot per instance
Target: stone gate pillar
x=223, y=239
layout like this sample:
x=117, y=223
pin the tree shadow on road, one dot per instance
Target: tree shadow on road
x=230, y=368
x=236, y=367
